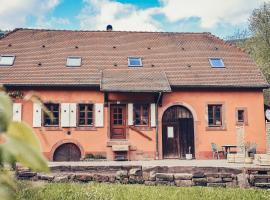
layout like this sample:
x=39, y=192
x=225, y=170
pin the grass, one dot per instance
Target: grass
x=96, y=191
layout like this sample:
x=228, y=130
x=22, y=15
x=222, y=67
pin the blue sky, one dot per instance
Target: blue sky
x=221, y=17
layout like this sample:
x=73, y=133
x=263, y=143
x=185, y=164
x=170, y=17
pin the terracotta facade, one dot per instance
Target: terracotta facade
x=96, y=140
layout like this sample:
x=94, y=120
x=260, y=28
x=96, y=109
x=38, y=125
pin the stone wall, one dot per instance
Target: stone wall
x=173, y=176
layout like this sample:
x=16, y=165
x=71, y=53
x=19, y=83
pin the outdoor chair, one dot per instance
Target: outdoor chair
x=216, y=150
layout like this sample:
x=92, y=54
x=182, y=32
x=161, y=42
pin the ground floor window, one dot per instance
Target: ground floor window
x=85, y=114
x=141, y=114
x=215, y=115
x=54, y=119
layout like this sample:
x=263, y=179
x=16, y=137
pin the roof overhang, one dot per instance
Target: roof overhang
x=134, y=80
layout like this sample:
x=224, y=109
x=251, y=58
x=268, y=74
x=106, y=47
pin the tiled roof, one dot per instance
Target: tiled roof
x=134, y=80
x=41, y=57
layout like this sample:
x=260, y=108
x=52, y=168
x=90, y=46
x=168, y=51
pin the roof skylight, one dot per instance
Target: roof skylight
x=74, y=61
x=135, y=62
x=216, y=62
x=7, y=60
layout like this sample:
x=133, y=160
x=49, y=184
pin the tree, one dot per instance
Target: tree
x=18, y=143
x=256, y=41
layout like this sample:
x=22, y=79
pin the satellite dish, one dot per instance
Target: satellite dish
x=267, y=114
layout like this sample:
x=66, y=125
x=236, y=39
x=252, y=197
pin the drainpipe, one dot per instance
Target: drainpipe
x=157, y=154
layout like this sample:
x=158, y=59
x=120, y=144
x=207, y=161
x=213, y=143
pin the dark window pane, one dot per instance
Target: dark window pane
x=240, y=115
x=54, y=109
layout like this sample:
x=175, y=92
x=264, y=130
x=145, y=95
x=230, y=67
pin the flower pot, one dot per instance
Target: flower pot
x=188, y=156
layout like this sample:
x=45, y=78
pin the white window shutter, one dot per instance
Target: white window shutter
x=153, y=114
x=65, y=114
x=72, y=114
x=17, y=112
x=99, y=114
x=130, y=114
x=36, y=115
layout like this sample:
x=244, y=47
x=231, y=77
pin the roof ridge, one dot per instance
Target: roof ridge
x=122, y=31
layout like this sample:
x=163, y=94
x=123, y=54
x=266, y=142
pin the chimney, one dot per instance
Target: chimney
x=109, y=28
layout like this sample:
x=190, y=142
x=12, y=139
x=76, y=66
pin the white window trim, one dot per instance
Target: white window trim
x=8, y=55
x=130, y=65
x=72, y=57
x=212, y=58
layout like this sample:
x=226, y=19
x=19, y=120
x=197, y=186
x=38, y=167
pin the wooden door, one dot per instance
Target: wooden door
x=118, y=121
x=177, y=132
x=67, y=152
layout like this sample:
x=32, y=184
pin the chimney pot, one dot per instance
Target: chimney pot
x=109, y=28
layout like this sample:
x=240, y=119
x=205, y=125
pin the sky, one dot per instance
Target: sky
x=221, y=17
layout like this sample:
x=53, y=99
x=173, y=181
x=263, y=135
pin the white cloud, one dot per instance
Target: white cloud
x=99, y=13
x=210, y=12
x=14, y=13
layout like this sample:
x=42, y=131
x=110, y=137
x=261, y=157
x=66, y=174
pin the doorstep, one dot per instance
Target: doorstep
x=110, y=143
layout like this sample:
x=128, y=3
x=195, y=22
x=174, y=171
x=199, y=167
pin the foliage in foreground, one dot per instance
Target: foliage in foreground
x=79, y=191
x=18, y=143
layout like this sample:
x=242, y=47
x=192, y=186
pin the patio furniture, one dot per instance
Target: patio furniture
x=216, y=150
x=227, y=149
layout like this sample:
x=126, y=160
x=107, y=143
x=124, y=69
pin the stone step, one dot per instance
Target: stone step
x=262, y=185
x=261, y=176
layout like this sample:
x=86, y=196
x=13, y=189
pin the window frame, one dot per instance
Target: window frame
x=130, y=65
x=245, y=115
x=44, y=115
x=8, y=65
x=216, y=58
x=214, y=115
x=74, y=57
x=141, y=115
x=78, y=115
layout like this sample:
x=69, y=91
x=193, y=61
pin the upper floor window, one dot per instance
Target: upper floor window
x=85, y=114
x=135, y=62
x=54, y=119
x=7, y=60
x=214, y=115
x=74, y=61
x=216, y=62
x=141, y=114
x=241, y=115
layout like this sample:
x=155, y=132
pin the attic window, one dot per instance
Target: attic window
x=73, y=61
x=216, y=62
x=135, y=62
x=7, y=60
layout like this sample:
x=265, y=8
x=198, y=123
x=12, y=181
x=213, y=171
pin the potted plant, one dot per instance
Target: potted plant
x=189, y=155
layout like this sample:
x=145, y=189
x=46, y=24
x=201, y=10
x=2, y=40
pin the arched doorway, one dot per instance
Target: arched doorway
x=67, y=152
x=177, y=132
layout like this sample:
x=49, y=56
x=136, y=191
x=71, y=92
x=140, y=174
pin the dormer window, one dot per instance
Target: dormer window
x=216, y=62
x=7, y=60
x=74, y=61
x=135, y=62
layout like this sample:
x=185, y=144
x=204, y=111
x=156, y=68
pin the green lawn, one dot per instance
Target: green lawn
x=77, y=191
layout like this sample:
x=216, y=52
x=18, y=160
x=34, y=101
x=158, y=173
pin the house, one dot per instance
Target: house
x=133, y=95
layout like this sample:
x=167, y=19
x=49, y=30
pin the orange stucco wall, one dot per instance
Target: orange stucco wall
x=95, y=140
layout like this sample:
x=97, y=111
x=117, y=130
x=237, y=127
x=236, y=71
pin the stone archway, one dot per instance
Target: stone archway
x=177, y=132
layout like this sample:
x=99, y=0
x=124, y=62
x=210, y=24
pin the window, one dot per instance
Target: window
x=216, y=62
x=85, y=114
x=134, y=62
x=141, y=114
x=73, y=61
x=214, y=115
x=54, y=109
x=241, y=116
x=7, y=60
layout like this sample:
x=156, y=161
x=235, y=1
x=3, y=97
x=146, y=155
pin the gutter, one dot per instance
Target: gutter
x=159, y=96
